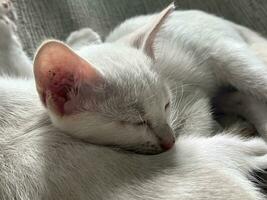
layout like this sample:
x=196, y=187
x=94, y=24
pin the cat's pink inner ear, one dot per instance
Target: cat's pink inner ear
x=59, y=72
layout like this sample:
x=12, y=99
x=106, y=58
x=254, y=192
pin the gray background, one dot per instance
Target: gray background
x=40, y=19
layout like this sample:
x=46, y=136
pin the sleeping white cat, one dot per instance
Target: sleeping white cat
x=37, y=161
x=128, y=83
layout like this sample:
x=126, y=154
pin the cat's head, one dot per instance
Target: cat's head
x=110, y=98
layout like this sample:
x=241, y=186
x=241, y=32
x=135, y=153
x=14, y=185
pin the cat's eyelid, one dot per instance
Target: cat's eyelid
x=141, y=123
x=167, y=105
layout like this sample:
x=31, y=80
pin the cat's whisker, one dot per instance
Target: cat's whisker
x=150, y=97
x=140, y=116
x=181, y=98
x=175, y=91
x=186, y=105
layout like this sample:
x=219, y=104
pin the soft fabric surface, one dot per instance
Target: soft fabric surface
x=40, y=19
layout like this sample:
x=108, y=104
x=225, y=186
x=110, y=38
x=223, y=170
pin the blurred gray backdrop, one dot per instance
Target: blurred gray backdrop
x=41, y=19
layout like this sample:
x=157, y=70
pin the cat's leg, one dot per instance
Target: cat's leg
x=242, y=67
x=253, y=110
x=254, y=40
x=83, y=37
x=235, y=63
x=13, y=60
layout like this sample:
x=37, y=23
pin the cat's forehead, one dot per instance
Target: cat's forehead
x=131, y=84
x=122, y=66
x=135, y=85
x=137, y=96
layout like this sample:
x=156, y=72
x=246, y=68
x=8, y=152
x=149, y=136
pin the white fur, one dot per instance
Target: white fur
x=40, y=162
x=37, y=161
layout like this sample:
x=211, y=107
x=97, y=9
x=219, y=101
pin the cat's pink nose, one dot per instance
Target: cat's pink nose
x=167, y=144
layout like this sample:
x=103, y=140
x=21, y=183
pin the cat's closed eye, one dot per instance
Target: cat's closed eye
x=142, y=123
x=167, y=105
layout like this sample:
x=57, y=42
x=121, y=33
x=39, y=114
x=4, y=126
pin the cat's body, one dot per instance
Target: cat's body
x=37, y=161
x=196, y=59
x=40, y=162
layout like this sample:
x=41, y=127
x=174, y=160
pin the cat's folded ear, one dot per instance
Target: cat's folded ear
x=144, y=37
x=59, y=74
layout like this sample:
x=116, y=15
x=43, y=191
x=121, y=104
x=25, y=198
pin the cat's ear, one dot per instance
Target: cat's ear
x=144, y=37
x=59, y=72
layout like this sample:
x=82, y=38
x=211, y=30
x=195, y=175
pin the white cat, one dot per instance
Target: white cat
x=37, y=161
x=127, y=84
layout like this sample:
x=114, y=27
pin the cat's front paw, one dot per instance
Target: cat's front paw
x=5, y=7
